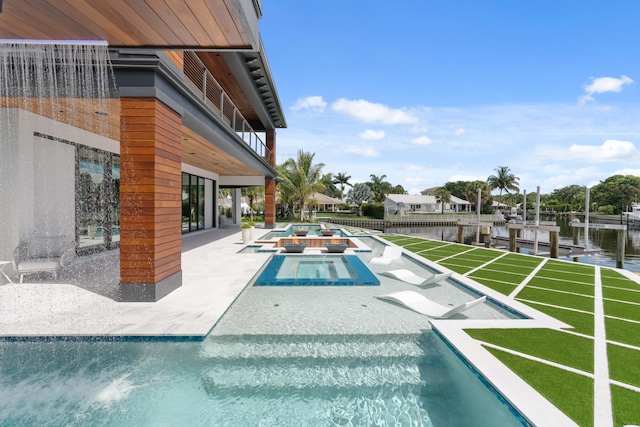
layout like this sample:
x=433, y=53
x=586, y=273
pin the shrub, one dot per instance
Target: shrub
x=606, y=210
x=373, y=210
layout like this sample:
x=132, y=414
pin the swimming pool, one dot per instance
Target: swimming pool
x=313, y=229
x=316, y=270
x=240, y=380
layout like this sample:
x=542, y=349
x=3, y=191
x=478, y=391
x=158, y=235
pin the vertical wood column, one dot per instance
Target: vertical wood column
x=150, y=198
x=270, y=185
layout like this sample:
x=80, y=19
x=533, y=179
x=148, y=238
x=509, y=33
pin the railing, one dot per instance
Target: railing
x=439, y=219
x=210, y=92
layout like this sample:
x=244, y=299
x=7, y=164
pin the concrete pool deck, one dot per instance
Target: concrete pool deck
x=215, y=274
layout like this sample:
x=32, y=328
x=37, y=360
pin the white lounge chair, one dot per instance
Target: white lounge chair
x=421, y=304
x=414, y=279
x=390, y=253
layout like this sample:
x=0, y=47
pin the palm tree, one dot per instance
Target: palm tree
x=252, y=193
x=359, y=194
x=443, y=196
x=504, y=180
x=472, y=193
x=380, y=187
x=342, y=179
x=301, y=178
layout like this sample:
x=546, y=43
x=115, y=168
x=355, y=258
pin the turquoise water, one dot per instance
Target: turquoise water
x=316, y=270
x=313, y=230
x=239, y=380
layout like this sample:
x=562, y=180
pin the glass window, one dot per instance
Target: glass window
x=91, y=197
x=200, y=203
x=185, y=203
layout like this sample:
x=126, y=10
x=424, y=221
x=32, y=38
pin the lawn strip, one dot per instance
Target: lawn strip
x=578, y=302
x=504, y=276
x=582, y=322
x=562, y=285
x=548, y=344
x=503, y=288
x=458, y=268
x=624, y=364
x=626, y=406
x=621, y=294
x=621, y=309
x=623, y=332
x=563, y=266
x=525, y=260
x=618, y=281
x=510, y=268
x=566, y=275
x=570, y=392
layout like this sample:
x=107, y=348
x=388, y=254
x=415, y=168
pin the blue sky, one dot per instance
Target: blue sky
x=427, y=92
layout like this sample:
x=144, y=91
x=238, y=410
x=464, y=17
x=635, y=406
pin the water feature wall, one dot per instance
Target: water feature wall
x=54, y=98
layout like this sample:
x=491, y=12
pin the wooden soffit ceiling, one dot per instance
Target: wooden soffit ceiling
x=195, y=24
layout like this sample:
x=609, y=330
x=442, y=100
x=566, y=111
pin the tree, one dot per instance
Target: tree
x=252, y=193
x=398, y=189
x=328, y=180
x=504, y=180
x=359, y=194
x=443, y=196
x=619, y=191
x=342, y=179
x=301, y=178
x=458, y=188
x=472, y=193
x=569, y=195
x=380, y=187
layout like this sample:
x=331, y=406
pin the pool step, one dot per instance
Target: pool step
x=316, y=346
x=343, y=380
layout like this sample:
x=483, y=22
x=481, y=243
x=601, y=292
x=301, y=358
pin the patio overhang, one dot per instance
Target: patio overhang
x=206, y=24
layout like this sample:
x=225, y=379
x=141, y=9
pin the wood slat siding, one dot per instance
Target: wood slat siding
x=270, y=203
x=150, y=191
x=161, y=23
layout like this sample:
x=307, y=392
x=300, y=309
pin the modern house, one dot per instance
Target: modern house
x=404, y=203
x=194, y=109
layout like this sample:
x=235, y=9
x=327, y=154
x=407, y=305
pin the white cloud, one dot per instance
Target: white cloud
x=421, y=140
x=454, y=178
x=610, y=150
x=370, y=112
x=602, y=85
x=312, y=103
x=628, y=171
x=372, y=135
x=459, y=131
x=414, y=168
x=366, y=151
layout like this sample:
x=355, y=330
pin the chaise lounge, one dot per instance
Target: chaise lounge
x=43, y=254
x=414, y=279
x=390, y=253
x=421, y=304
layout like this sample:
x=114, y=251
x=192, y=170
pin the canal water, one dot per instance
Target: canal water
x=599, y=239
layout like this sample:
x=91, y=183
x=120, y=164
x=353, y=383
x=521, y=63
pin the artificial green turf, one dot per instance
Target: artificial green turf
x=548, y=344
x=460, y=269
x=582, y=323
x=612, y=278
x=524, y=260
x=459, y=260
x=571, y=393
x=509, y=268
x=578, y=302
x=502, y=276
x=503, y=288
x=623, y=310
x=569, y=276
x=623, y=332
x=562, y=285
x=565, y=266
x=626, y=406
x=620, y=294
x=624, y=364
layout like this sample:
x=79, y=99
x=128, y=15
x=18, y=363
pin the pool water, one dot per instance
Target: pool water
x=316, y=270
x=245, y=380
